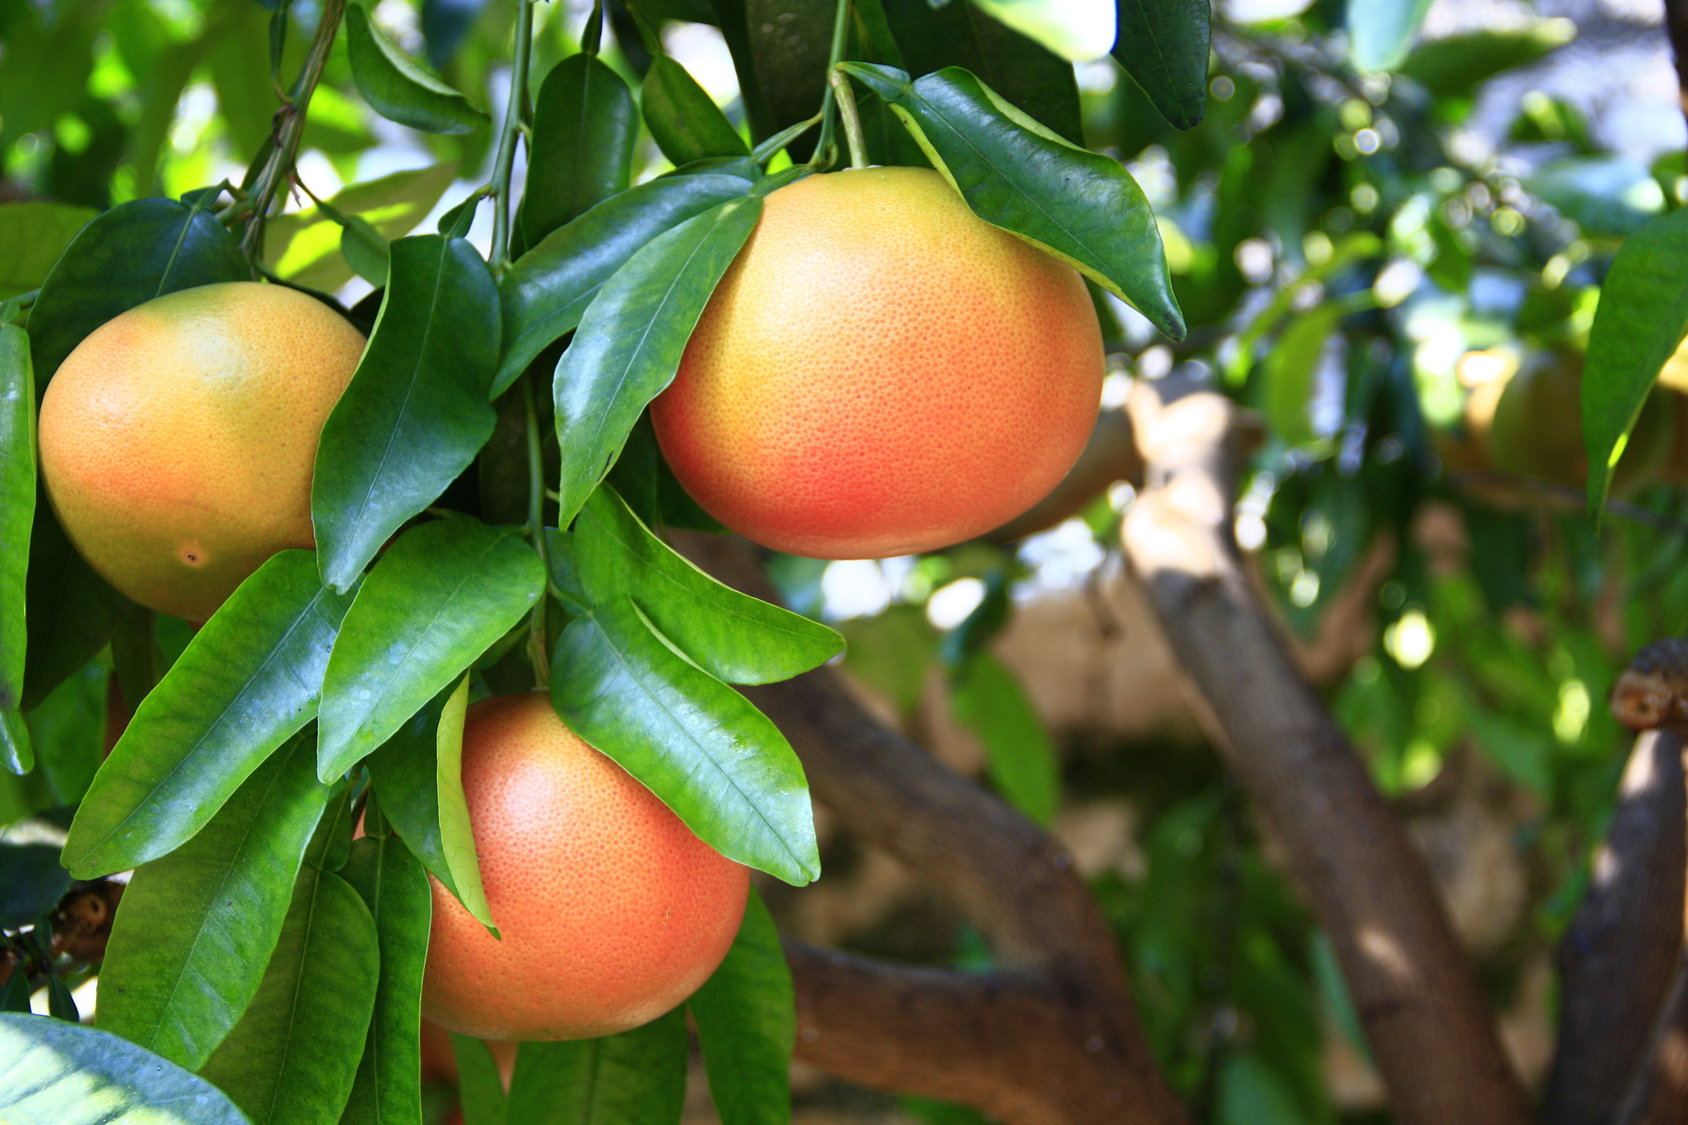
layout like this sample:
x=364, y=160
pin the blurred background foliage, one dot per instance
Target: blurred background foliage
x=1388, y=242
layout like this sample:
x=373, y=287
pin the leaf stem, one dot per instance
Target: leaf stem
x=290, y=128
x=536, y=529
x=840, y=30
x=852, y=120
x=515, y=111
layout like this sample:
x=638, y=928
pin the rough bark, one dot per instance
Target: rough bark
x=1051, y=1040
x=1617, y=959
x=1413, y=986
x=1659, y=1095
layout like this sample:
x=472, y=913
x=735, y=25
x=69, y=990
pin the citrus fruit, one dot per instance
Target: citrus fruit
x=177, y=440
x=881, y=372
x=610, y=910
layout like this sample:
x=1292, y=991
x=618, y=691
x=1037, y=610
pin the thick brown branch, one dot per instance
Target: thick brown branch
x=1014, y=881
x=1412, y=984
x=1618, y=957
x=1659, y=1095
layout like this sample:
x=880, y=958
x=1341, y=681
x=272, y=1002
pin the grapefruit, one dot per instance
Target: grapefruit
x=881, y=372
x=611, y=911
x=177, y=440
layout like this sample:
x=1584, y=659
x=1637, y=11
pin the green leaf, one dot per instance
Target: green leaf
x=1079, y=205
x=134, y=252
x=1163, y=46
x=305, y=246
x=31, y=880
x=685, y=122
x=17, y=513
x=1454, y=67
x=989, y=700
x=1289, y=370
x=32, y=236
x=68, y=731
x=701, y=747
x=439, y=597
x=189, y=945
x=400, y=90
x=781, y=49
x=364, y=250
x=584, y=128
x=1642, y=317
x=293, y=1057
x=60, y=1073
x=630, y=340
x=1076, y=32
x=1381, y=31
x=637, y=1077
x=388, y=1087
x=247, y=682
x=480, y=1090
x=418, y=774
x=551, y=286
x=416, y=411
x=731, y=636
x=70, y=612
x=746, y=1015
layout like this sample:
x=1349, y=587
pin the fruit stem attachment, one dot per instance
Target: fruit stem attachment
x=840, y=29
x=536, y=529
x=852, y=120
x=515, y=112
x=289, y=129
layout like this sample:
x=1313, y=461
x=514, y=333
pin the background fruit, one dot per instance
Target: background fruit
x=611, y=910
x=177, y=440
x=881, y=372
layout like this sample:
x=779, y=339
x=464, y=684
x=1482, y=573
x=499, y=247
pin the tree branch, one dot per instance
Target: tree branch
x=1412, y=984
x=1617, y=959
x=1676, y=24
x=902, y=1028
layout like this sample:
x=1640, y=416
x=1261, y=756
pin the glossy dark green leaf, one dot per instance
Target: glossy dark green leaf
x=635, y=1078
x=31, y=880
x=439, y=597
x=32, y=236
x=1456, y=65
x=782, y=62
x=989, y=700
x=14, y=997
x=416, y=411
x=418, y=774
x=1163, y=46
x=388, y=1087
x=701, y=747
x=68, y=731
x=684, y=120
x=248, y=681
x=480, y=1089
x=1381, y=31
x=584, y=128
x=60, y=1073
x=70, y=611
x=548, y=290
x=292, y=1058
x=196, y=929
x=1014, y=173
x=400, y=90
x=746, y=1015
x=630, y=340
x=17, y=514
x=1026, y=75
x=732, y=636
x=134, y=252
x=1642, y=317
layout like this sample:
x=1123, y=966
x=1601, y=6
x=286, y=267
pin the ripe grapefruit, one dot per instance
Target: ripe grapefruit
x=611, y=911
x=177, y=440
x=881, y=372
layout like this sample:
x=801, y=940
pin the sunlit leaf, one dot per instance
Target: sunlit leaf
x=684, y=121
x=1163, y=46
x=32, y=236
x=17, y=514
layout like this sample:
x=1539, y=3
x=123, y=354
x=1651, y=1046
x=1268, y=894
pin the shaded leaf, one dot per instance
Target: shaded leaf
x=400, y=90
x=480, y=1089
x=388, y=1087
x=630, y=340
x=60, y=1073
x=32, y=236
x=70, y=612
x=248, y=681
x=685, y=122
x=731, y=636
x=636, y=1076
x=17, y=514
x=584, y=128
x=416, y=411
x=1163, y=46
x=1080, y=206
x=68, y=731
x=701, y=747
x=746, y=1015
x=439, y=597
x=134, y=252
x=1289, y=370
x=189, y=946
x=31, y=880
x=1457, y=65
x=989, y=700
